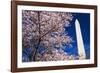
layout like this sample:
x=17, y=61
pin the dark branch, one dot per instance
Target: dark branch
x=52, y=29
x=39, y=39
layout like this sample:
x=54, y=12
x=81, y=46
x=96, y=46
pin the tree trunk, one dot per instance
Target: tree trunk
x=39, y=40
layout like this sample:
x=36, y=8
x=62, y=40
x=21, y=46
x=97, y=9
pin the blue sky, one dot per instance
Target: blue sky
x=84, y=20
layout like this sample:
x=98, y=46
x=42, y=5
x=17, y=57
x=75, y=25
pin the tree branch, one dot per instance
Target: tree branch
x=39, y=39
x=50, y=31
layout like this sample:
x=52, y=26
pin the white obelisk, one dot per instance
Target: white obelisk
x=81, y=49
